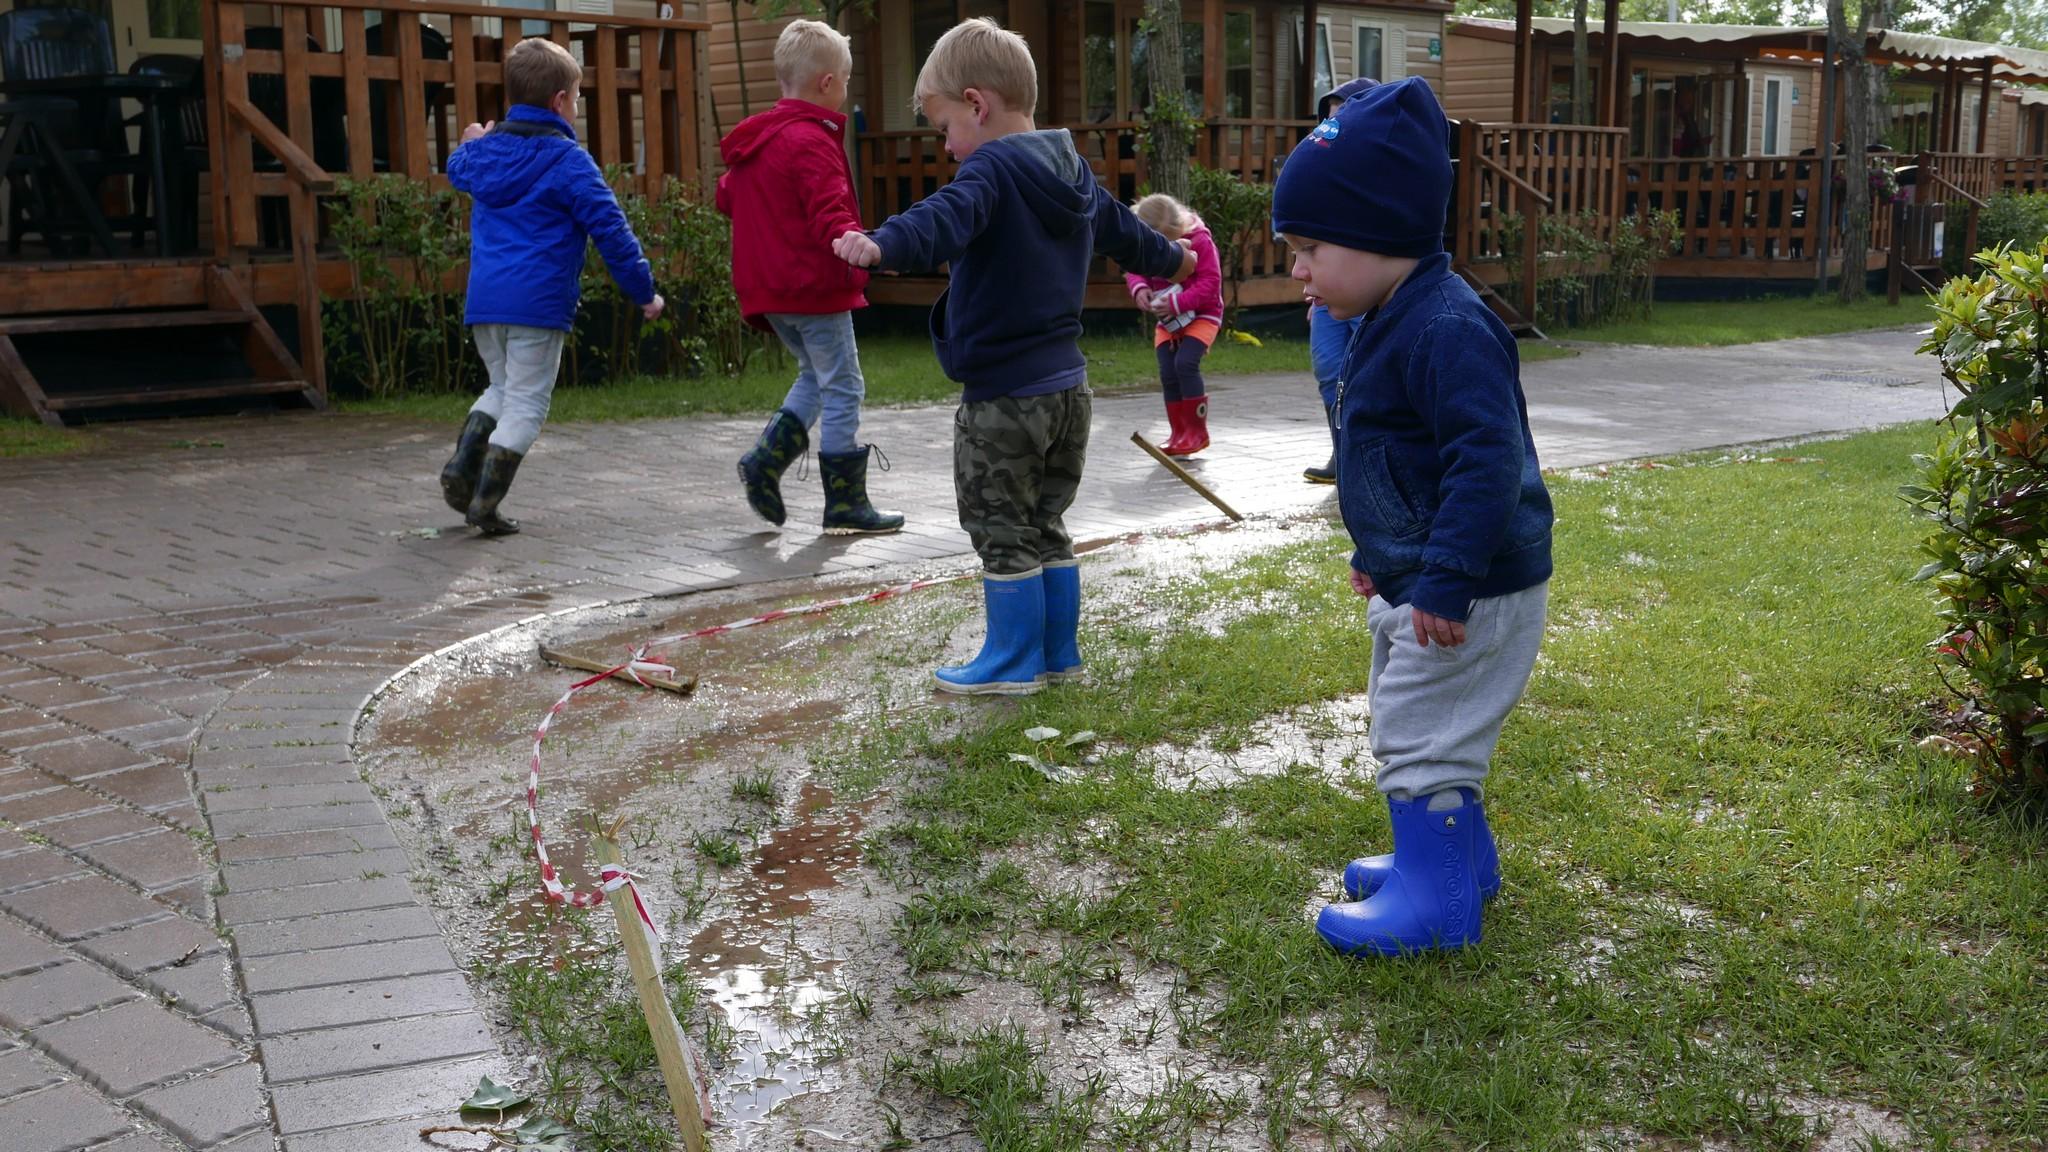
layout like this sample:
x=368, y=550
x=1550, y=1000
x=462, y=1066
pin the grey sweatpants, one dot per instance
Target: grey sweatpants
x=1437, y=712
x=522, y=363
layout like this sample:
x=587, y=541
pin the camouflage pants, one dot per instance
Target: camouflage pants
x=1016, y=466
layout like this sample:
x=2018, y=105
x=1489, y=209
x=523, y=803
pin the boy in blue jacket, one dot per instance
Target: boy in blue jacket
x=538, y=199
x=1018, y=225
x=1442, y=495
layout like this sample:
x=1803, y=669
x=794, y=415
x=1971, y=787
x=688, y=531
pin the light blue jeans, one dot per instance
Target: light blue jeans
x=828, y=379
x=1327, y=339
x=522, y=363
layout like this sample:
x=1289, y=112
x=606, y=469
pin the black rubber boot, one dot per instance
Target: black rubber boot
x=500, y=466
x=1327, y=474
x=458, y=476
x=847, y=511
x=782, y=441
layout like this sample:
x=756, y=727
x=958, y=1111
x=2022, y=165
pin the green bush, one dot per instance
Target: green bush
x=400, y=331
x=1985, y=489
x=1584, y=280
x=2016, y=218
x=1236, y=211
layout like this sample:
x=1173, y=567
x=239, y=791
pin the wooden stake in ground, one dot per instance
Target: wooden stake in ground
x=684, y=1097
x=681, y=687
x=1173, y=467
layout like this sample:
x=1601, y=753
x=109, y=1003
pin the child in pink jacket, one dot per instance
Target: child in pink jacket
x=1190, y=317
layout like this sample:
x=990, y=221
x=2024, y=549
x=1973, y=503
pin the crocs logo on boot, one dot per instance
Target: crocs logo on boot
x=1454, y=885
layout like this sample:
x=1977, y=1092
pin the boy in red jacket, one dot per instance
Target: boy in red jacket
x=789, y=191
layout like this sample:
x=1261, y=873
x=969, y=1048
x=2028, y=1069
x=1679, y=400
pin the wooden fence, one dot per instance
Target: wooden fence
x=363, y=87
x=896, y=169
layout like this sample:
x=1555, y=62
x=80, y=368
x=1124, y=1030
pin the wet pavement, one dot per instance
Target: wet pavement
x=210, y=932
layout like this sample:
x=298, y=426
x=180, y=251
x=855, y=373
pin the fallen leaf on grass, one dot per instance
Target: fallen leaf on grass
x=491, y=1096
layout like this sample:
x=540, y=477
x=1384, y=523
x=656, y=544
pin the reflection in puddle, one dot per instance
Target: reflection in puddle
x=775, y=993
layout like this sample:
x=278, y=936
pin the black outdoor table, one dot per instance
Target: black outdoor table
x=159, y=96
x=33, y=115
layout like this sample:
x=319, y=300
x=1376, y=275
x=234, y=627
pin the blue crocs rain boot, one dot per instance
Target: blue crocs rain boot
x=1012, y=659
x=1062, y=621
x=1430, y=899
x=1363, y=876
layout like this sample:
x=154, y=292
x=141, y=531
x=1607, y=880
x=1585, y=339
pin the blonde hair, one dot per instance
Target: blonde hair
x=537, y=69
x=808, y=49
x=1163, y=213
x=979, y=54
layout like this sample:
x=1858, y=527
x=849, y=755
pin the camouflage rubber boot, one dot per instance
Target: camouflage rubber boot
x=781, y=442
x=500, y=465
x=847, y=511
x=458, y=477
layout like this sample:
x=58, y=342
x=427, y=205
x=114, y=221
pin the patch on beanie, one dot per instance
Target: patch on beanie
x=1325, y=133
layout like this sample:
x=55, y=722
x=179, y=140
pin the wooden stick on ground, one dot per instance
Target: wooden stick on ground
x=682, y=687
x=1173, y=467
x=670, y=1049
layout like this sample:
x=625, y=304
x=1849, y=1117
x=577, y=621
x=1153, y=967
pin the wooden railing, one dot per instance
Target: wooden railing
x=896, y=169
x=1748, y=208
x=1982, y=176
x=1530, y=170
x=324, y=91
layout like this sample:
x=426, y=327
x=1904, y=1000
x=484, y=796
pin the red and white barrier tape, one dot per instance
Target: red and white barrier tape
x=639, y=662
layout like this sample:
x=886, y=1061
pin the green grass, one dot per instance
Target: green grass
x=1719, y=322
x=898, y=370
x=22, y=437
x=1732, y=879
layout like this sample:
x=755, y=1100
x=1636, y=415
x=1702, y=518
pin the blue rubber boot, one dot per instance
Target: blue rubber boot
x=1012, y=659
x=1430, y=899
x=1062, y=621
x=1363, y=877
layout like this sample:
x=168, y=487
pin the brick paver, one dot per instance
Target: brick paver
x=174, y=734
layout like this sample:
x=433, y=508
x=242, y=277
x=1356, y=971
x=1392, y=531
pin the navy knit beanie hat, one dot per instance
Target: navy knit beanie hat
x=1375, y=176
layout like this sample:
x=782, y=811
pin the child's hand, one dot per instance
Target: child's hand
x=1187, y=261
x=858, y=249
x=1144, y=298
x=652, y=309
x=1449, y=633
x=476, y=130
x=1362, y=584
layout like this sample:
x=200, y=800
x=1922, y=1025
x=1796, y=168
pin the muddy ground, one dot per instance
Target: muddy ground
x=802, y=997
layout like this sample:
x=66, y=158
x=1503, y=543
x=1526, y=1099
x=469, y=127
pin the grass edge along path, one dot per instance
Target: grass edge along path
x=1716, y=323
x=1734, y=885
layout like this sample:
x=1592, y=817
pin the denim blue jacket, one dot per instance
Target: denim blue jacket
x=1437, y=473
x=538, y=198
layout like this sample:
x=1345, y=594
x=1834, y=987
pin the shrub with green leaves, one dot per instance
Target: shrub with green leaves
x=1235, y=211
x=1985, y=488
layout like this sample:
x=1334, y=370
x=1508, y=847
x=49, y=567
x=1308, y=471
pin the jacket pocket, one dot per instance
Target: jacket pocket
x=1394, y=508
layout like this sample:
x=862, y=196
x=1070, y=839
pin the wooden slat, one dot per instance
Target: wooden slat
x=298, y=91
x=133, y=397
x=120, y=321
x=210, y=57
x=300, y=166
x=412, y=99
x=462, y=55
x=20, y=394
x=356, y=86
x=604, y=112
x=654, y=140
x=240, y=197
x=560, y=19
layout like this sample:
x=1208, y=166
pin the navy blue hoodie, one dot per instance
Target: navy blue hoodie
x=537, y=197
x=1436, y=469
x=1019, y=225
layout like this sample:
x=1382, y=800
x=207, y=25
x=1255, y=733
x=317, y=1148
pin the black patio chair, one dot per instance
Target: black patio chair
x=190, y=147
x=58, y=44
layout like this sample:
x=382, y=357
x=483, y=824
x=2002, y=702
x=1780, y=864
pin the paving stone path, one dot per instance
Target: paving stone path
x=208, y=936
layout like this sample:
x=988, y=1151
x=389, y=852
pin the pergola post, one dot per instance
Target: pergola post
x=1525, y=47
x=1305, y=94
x=1984, y=112
x=1211, y=141
x=1610, y=68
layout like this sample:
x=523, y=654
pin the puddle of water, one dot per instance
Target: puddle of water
x=773, y=990
x=1331, y=736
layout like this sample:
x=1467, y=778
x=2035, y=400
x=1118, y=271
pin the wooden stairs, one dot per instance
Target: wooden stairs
x=150, y=360
x=1509, y=315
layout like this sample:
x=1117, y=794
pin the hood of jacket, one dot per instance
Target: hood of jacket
x=1055, y=182
x=507, y=163
x=750, y=136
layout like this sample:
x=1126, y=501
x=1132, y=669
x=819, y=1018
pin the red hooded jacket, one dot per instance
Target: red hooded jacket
x=789, y=191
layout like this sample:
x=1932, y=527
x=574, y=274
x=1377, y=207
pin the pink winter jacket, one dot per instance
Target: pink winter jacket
x=1203, y=291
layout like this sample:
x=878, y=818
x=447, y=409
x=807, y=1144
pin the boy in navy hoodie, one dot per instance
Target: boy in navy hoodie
x=1018, y=225
x=537, y=200
x=1442, y=495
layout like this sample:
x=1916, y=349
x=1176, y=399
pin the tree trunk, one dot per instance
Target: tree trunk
x=1580, y=90
x=1169, y=122
x=1859, y=78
